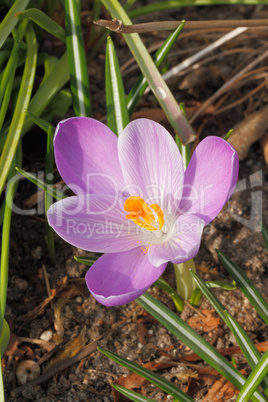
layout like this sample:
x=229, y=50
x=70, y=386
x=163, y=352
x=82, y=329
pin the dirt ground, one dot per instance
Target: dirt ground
x=51, y=327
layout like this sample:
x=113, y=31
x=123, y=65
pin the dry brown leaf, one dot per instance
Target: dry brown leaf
x=222, y=390
x=262, y=347
x=205, y=324
x=248, y=131
x=134, y=380
x=196, y=383
x=71, y=349
x=40, y=308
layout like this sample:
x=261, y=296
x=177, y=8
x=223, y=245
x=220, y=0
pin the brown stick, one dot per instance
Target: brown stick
x=84, y=352
x=117, y=26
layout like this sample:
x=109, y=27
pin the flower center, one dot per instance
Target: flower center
x=148, y=217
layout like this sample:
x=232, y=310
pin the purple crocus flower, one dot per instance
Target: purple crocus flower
x=134, y=202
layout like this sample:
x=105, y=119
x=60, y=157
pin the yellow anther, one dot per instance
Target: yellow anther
x=143, y=215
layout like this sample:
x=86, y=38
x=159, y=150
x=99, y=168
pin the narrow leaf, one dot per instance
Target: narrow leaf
x=141, y=84
x=245, y=285
x=77, y=59
x=221, y=285
x=132, y=395
x=265, y=235
x=4, y=261
x=179, y=304
x=153, y=76
x=254, y=379
x=58, y=77
x=24, y=95
x=44, y=125
x=4, y=337
x=195, y=341
x=210, y=296
x=248, y=348
x=156, y=379
x=58, y=195
x=117, y=113
x=86, y=260
x=44, y=22
x=49, y=197
x=9, y=22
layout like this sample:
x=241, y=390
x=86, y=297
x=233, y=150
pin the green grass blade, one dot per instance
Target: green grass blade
x=89, y=261
x=58, y=195
x=141, y=84
x=10, y=21
x=24, y=95
x=77, y=60
x=195, y=341
x=13, y=61
x=117, y=113
x=265, y=235
x=4, y=337
x=4, y=340
x=254, y=379
x=4, y=55
x=43, y=124
x=245, y=285
x=132, y=395
x=153, y=76
x=210, y=296
x=44, y=22
x=156, y=379
x=220, y=285
x=6, y=98
x=49, y=197
x=248, y=348
x=58, y=77
x=4, y=262
x=179, y=304
x=59, y=105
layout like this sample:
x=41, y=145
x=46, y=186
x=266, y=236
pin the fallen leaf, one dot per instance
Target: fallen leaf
x=40, y=308
x=222, y=390
x=205, y=324
x=134, y=380
x=262, y=347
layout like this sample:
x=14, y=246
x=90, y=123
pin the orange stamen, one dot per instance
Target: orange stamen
x=142, y=214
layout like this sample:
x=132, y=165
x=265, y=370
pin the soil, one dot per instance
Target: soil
x=71, y=318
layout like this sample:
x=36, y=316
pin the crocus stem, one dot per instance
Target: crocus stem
x=184, y=280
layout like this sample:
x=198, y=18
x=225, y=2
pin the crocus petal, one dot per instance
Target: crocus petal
x=182, y=246
x=119, y=278
x=151, y=162
x=86, y=156
x=95, y=223
x=210, y=178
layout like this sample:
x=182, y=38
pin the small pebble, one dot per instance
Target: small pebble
x=46, y=335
